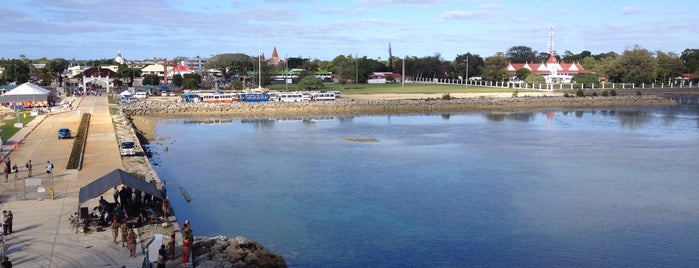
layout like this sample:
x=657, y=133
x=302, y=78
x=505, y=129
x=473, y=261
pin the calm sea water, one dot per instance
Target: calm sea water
x=586, y=187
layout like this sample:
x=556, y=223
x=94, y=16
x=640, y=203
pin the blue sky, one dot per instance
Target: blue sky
x=321, y=29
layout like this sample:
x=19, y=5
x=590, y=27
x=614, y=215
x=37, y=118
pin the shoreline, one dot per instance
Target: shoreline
x=345, y=106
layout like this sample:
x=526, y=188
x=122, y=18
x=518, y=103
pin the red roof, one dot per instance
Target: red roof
x=543, y=68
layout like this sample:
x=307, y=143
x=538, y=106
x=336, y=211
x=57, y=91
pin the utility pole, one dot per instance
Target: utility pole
x=467, y=70
x=356, y=69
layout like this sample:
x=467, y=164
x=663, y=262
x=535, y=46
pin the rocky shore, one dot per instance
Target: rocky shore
x=350, y=106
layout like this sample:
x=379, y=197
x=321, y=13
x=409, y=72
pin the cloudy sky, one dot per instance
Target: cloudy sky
x=322, y=29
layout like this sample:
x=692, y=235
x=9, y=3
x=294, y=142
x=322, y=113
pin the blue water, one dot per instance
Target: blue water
x=587, y=187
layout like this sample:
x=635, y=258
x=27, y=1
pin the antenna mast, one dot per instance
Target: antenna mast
x=551, y=40
x=259, y=61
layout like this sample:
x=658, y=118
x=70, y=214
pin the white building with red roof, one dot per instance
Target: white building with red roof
x=552, y=70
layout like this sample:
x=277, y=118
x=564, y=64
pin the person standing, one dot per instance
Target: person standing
x=115, y=230
x=4, y=222
x=162, y=256
x=10, y=217
x=124, y=232
x=116, y=195
x=28, y=165
x=166, y=208
x=15, y=170
x=49, y=169
x=6, y=263
x=186, y=243
x=131, y=238
x=171, y=246
x=8, y=166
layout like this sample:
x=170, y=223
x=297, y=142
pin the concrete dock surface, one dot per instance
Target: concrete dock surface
x=42, y=235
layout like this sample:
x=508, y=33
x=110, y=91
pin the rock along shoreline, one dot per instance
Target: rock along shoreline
x=346, y=106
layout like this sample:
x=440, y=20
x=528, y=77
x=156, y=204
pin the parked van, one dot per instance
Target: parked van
x=140, y=95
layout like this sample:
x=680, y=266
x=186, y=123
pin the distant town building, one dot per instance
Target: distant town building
x=119, y=59
x=385, y=77
x=552, y=70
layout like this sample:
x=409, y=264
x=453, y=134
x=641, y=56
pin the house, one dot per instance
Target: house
x=552, y=70
x=383, y=77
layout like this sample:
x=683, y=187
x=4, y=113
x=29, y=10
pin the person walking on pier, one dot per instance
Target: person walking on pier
x=28, y=165
x=8, y=166
x=15, y=170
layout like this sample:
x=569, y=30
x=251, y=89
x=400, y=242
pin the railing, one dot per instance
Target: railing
x=556, y=86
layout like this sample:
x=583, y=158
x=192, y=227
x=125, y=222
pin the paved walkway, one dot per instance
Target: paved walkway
x=42, y=236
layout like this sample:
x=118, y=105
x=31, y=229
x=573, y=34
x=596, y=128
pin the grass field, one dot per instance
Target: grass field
x=7, y=129
x=396, y=88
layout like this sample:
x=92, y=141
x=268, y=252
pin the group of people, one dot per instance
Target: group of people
x=10, y=169
x=7, y=218
x=128, y=235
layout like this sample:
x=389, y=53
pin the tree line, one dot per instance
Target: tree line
x=634, y=65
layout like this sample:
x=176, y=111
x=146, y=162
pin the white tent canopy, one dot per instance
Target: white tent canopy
x=25, y=92
x=125, y=93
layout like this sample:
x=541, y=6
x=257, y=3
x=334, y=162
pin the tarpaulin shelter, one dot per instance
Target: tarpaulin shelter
x=115, y=178
x=26, y=92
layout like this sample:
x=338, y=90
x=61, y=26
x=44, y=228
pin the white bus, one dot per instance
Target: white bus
x=323, y=96
x=290, y=97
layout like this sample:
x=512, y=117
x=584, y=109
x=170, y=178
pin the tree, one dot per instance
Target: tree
x=343, y=69
x=237, y=85
x=236, y=64
x=150, y=79
x=16, y=71
x=191, y=81
x=474, y=65
x=586, y=79
x=636, y=65
x=178, y=80
x=691, y=60
x=45, y=76
x=535, y=79
x=311, y=83
x=521, y=54
x=495, y=68
x=670, y=65
x=522, y=73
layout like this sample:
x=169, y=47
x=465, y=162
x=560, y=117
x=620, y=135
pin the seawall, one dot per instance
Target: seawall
x=368, y=107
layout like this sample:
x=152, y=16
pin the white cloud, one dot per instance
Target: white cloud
x=633, y=10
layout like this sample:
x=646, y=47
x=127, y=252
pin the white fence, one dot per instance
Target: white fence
x=551, y=87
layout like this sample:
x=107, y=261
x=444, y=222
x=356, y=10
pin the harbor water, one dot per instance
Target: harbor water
x=558, y=187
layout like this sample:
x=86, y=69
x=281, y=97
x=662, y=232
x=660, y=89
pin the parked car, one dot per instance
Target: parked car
x=64, y=133
x=127, y=148
x=140, y=95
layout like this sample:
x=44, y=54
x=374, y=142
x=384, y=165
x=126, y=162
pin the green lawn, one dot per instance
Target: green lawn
x=7, y=129
x=397, y=88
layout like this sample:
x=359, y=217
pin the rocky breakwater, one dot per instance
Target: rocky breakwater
x=237, y=252
x=346, y=106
